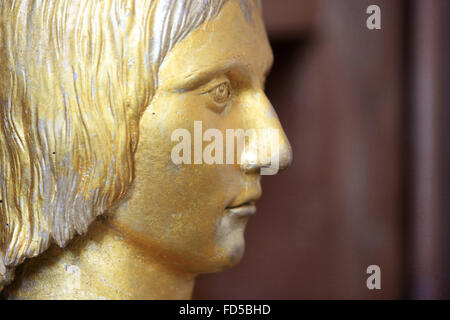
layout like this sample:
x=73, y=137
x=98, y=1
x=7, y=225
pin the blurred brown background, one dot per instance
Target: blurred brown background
x=367, y=114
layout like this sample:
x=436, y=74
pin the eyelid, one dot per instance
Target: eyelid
x=200, y=78
x=213, y=84
x=210, y=90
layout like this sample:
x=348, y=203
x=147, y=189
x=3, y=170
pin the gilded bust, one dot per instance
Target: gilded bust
x=91, y=92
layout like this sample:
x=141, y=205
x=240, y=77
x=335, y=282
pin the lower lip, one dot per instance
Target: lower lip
x=243, y=211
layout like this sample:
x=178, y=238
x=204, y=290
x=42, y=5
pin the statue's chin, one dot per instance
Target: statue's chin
x=229, y=259
x=236, y=254
x=224, y=251
x=232, y=248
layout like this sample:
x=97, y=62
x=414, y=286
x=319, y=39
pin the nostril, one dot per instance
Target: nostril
x=250, y=167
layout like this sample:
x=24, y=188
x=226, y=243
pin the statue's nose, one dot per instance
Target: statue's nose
x=268, y=150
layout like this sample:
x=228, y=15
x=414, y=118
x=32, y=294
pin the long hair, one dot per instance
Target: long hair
x=75, y=77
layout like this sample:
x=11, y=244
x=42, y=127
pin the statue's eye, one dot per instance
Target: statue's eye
x=221, y=95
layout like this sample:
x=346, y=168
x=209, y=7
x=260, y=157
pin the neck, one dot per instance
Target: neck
x=104, y=264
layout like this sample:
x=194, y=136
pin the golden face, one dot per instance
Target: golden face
x=195, y=215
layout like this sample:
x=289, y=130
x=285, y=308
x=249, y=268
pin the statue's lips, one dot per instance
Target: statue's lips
x=243, y=210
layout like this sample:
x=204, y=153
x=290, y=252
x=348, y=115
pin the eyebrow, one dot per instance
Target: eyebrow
x=198, y=78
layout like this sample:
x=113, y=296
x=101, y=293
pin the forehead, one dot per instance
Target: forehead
x=228, y=40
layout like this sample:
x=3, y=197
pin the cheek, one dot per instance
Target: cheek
x=187, y=199
x=184, y=204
